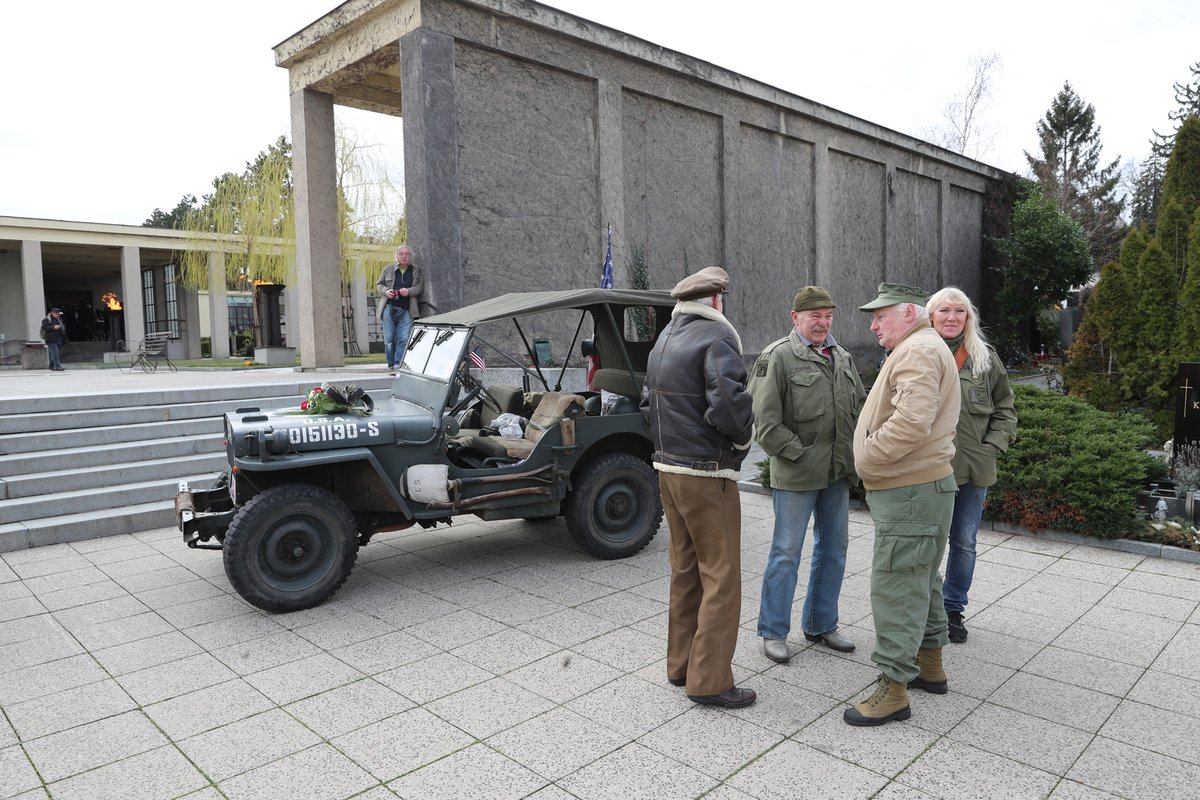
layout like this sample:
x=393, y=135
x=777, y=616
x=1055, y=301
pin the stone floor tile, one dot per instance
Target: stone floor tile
x=1167, y=732
x=114, y=608
x=886, y=750
x=477, y=772
x=570, y=591
x=273, y=650
x=796, y=770
x=568, y=627
x=1018, y=623
x=898, y=791
x=1087, y=571
x=203, y=710
x=1157, y=605
x=372, y=656
x=206, y=609
x=51, y=677
x=1105, y=556
x=113, y=549
x=430, y=678
x=171, y=575
x=1182, y=654
x=318, y=773
x=785, y=708
x=17, y=775
x=247, y=627
x=159, y=774
x=519, y=607
x=399, y=744
x=296, y=680
x=142, y=653
x=1132, y=773
x=1064, y=588
x=636, y=772
x=1171, y=692
x=165, y=597
x=970, y=676
x=820, y=671
x=76, y=596
x=1187, y=588
x=1070, y=790
x=715, y=744
x=1129, y=647
x=37, y=562
x=476, y=593
x=1081, y=669
x=505, y=651
x=58, y=712
x=1165, y=566
x=1014, y=557
x=938, y=713
x=631, y=706
x=175, y=678
x=557, y=743
x=70, y=752
x=1152, y=629
x=247, y=744
x=455, y=629
x=1033, y=741
x=976, y=774
x=1066, y=704
x=490, y=707
x=347, y=708
x=626, y=649
x=151, y=562
x=623, y=608
x=563, y=676
x=998, y=648
x=100, y=635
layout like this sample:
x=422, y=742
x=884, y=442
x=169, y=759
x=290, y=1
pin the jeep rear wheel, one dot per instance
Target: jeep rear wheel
x=290, y=547
x=614, y=509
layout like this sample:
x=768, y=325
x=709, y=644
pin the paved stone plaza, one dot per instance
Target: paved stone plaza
x=495, y=660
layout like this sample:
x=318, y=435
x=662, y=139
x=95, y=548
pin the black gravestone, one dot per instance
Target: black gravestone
x=1187, y=405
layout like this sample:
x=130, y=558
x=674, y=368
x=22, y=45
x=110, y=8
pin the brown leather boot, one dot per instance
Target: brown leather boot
x=932, y=678
x=889, y=702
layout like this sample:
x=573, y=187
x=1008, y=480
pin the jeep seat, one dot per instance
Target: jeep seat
x=618, y=381
x=553, y=408
x=511, y=401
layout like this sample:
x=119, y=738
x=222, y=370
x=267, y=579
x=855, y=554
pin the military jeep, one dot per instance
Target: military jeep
x=305, y=491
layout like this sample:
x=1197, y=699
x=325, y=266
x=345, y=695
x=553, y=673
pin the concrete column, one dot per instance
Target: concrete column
x=431, y=163
x=314, y=304
x=35, y=288
x=359, y=303
x=131, y=295
x=189, y=301
x=218, y=305
x=822, y=215
x=729, y=164
x=611, y=179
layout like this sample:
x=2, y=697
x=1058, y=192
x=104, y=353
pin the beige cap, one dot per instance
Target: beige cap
x=704, y=283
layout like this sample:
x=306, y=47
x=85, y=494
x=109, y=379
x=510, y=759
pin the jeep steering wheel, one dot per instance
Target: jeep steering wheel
x=474, y=389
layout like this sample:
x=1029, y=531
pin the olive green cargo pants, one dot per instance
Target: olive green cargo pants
x=912, y=524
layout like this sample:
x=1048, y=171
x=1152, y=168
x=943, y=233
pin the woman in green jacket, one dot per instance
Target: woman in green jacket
x=987, y=425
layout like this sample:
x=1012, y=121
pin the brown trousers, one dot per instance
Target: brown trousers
x=705, y=519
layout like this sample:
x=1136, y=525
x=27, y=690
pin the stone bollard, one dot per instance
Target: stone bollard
x=34, y=355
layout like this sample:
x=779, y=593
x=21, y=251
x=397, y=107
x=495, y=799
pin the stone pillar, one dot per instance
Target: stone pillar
x=131, y=295
x=314, y=304
x=822, y=212
x=35, y=288
x=611, y=181
x=729, y=158
x=359, y=303
x=218, y=305
x=431, y=163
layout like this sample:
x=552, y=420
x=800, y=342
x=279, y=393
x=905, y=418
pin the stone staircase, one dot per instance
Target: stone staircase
x=82, y=467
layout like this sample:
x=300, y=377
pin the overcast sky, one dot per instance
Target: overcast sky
x=109, y=110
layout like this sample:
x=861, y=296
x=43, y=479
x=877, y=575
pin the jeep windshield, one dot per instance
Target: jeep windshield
x=434, y=351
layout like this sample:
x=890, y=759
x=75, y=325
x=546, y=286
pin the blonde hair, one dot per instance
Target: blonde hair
x=973, y=338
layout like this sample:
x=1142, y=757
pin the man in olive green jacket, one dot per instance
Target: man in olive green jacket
x=807, y=395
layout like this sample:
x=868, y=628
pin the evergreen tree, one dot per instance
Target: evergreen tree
x=1069, y=172
x=1187, y=95
x=1188, y=336
x=1151, y=369
x=1147, y=192
x=1181, y=178
x=1172, y=237
x=174, y=218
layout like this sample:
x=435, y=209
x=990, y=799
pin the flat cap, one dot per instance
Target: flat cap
x=56, y=311
x=892, y=293
x=812, y=297
x=704, y=283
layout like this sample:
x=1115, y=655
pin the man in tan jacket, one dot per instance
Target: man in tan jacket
x=903, y=449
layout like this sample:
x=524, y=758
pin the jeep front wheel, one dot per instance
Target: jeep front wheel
x=614, y=509
x=290, y=547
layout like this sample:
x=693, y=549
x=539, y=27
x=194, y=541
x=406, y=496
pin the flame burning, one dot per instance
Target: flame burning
x=111, y=302
x=263, y=283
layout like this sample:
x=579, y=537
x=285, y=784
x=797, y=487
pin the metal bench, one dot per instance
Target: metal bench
x=151, y=350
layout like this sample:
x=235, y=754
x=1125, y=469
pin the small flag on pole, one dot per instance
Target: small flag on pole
x=606, y=275
x=477, y=359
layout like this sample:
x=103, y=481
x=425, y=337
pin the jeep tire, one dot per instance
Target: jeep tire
x=614, y=509
x=290, y=547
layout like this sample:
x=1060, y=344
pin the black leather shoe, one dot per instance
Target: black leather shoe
x=734, y=698
x=958, y=631
x=677, y=681
x=833, y=640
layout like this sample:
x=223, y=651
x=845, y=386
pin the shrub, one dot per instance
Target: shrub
x=206, y=347
x=1073, y=467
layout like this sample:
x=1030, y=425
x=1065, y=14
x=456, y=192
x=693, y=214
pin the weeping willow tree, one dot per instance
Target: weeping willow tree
x=251, y=217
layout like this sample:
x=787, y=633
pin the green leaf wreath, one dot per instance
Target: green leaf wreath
x=330, y=399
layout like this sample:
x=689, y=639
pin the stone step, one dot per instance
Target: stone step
x=114, y=477
x=133, y=415
x=41, y=441
x=36, y=510
x=74, y=458
x=89, y=525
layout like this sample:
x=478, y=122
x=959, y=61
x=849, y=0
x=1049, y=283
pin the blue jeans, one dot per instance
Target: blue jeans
x=52, y=354
x=960, y=565
x=830, y=509
x=397, y=325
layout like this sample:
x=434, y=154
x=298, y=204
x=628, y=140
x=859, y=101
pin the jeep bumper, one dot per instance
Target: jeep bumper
x=204, y=513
